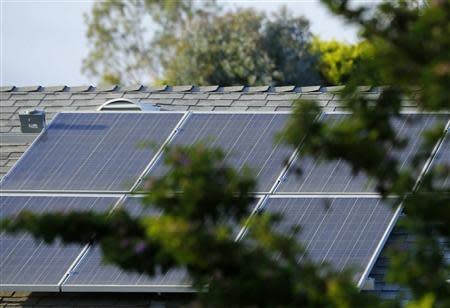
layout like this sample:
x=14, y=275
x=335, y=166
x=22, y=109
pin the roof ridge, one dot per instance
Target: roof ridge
x=183, y=89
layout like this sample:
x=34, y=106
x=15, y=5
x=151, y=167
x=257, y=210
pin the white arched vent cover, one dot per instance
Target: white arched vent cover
x=124, y=104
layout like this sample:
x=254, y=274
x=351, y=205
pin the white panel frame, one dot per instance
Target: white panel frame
x=187, y=288
x=29, y=288
x=158, y=155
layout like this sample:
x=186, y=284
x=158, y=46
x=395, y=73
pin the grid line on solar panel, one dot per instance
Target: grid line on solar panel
x=442, y=159
x=336, y=177
x=92, y=274
x=91, y=152
x=345, y=232
x=247, y=139
x=32, y=265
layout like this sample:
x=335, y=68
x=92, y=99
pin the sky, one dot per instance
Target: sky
x=44, y=43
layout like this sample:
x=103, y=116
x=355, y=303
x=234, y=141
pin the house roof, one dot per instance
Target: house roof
x=54, y=99
x=209, y=98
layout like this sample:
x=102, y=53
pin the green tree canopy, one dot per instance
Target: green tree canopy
x=187, y=42
x=245, y=47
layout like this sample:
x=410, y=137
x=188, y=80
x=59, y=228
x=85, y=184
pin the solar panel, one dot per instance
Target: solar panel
x=247, y=139
x=344, y=232
x=91, y=274
x=91, y=152
x=442, y=159
x=337, y=177
x=27, y=264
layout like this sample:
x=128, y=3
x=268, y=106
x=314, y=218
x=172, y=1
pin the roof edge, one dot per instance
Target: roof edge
x=184, y=89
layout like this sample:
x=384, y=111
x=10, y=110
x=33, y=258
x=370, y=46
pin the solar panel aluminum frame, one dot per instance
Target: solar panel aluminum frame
x=443, y=112
x=63, y=194
x=438, y=146
x=238, y=112
x=187, y=288
x=136, y=183
x=258, y=205
x=26, y=288
x=53, y=287
x=160, y=151
x=290, y=161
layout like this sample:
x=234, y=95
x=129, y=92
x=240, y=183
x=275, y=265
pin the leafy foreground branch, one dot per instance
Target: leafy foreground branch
x=202, y=201
x=410, y=50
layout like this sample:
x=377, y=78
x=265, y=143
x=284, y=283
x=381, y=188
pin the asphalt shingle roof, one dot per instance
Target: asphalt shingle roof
x=208, y=98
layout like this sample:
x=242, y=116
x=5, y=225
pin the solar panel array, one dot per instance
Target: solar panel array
x=101, y=157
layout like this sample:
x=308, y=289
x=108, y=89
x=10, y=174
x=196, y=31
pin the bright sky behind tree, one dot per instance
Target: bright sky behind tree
x=43, y=42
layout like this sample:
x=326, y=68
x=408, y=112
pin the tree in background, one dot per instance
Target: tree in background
x=287, y=41
x=245, y=47
x=337, y=60
x=188, y=42
x=411, y=48
x=224, y=50
x=130, y=41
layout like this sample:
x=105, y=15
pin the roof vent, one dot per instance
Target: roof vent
x=32, y=121
x=124, y=104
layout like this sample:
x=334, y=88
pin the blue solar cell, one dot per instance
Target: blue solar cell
x=247, y=139
x=337, y=177
x=93, y=274
x=29, y=264
x=92, y=152
x=343, y=232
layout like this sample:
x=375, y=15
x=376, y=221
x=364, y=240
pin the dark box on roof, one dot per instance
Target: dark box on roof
x=32, y=121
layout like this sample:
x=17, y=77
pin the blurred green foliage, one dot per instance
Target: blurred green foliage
x=337, y=60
